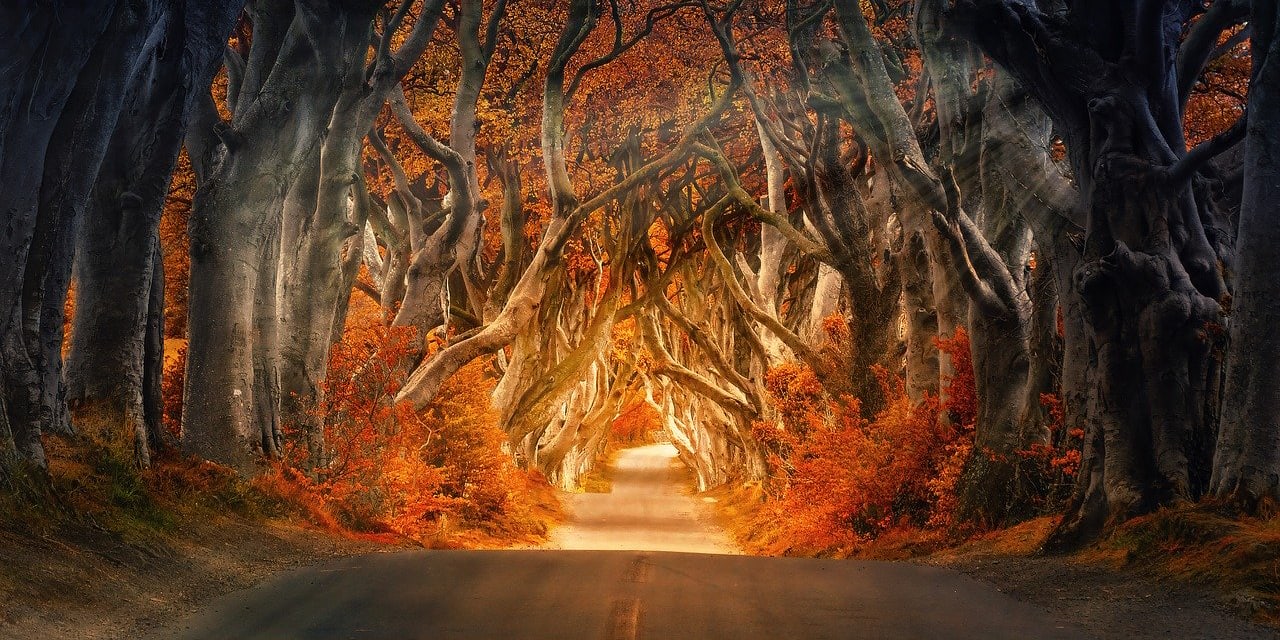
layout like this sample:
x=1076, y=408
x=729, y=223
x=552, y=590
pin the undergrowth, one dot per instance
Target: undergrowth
x=842, y=484
x=436, y=476
x=92, y=485
x=1204, y=545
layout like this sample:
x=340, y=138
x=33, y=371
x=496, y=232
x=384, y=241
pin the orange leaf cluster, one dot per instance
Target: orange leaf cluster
x=846, y=479
x=635, y=425
x=385, y=467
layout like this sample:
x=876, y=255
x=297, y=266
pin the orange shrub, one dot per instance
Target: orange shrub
x=845, y=479
x=1049, y=469
x=961, y=391
x=386, y=467
x=961, y=411
x=797, y=396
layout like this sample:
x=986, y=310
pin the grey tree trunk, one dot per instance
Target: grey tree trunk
x=320, y=218
x=116, y=355
x=1246, y=465
x=38, y=146
x=451, y=251
x=1148, y=281
x=283, y=106
x=88, y=59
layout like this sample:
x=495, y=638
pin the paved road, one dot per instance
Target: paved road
x=649, y=509
x=647, y=593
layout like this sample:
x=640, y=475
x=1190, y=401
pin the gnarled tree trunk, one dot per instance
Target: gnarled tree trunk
x=116, y=357
x=284, y=103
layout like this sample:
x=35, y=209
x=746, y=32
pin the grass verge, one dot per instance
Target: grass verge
x=100, y=549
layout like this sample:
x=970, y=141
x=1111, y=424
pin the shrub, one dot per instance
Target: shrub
x=385, y=467
x=845, y=479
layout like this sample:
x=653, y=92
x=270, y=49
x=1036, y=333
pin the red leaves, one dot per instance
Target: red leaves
x=960, y=393
x=845, y=479
x=797, y=396
x=1061, y=455
x=383, y=466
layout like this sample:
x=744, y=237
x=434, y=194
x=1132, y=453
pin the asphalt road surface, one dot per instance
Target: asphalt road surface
x=673, y=580
x=649, y=509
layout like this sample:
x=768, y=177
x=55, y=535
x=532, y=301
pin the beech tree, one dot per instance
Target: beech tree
x=1246, y=467
x=452, y=248
x=1148, y=276
x=275, y=189
x=112, y=80
x=327, y=210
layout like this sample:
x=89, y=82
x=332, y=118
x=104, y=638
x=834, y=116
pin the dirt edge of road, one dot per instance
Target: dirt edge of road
x=1103, y=591
x=80, y=582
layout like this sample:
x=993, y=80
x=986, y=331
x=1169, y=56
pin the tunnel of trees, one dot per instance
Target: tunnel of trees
x=959, y=261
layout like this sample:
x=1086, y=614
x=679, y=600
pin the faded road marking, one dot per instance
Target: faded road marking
x=624, y=620
x=639, y=570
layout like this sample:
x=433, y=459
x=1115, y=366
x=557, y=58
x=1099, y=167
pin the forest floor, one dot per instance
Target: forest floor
x=1188, y=573
x=1114, y=589
x=110, y=552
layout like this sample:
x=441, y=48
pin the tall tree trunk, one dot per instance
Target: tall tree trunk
x=284, y=105
x=1246, y=466
x=922, y=375
x=320, y=218
x=45, y=52
x=116, y=355
x=56, y=134
x=1149, y=279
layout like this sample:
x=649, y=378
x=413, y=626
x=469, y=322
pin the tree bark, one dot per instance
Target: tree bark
x=1149, y=279
x=231, y=400
x=52, y=155
x=1246, y=466
x=116, y=355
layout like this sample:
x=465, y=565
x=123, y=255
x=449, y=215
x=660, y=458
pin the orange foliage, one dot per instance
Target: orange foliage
x=961, y=410
x=384, y=467
x=844, y=479
x=175, y=247
x=961, y=391
x=796, y=391
x=635, y=425
x=1218, y=98
x=1051, y=467
x=171, y=386
x=1064, y=456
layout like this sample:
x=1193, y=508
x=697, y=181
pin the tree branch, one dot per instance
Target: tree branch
x=1189, y=164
